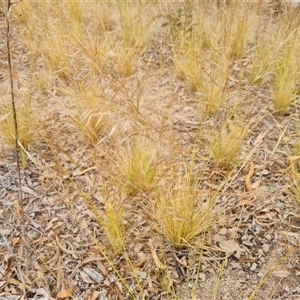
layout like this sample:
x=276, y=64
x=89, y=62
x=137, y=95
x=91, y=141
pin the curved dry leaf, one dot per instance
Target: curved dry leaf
x=63, y=248
x=85, y=277
x=94, y=275
x=157, y=262
x=140, y=274
x=10, y=267
x=293, y=158
x=245, y=202
x=28, y=190
x=230, y=247
x=289, y=233
x=18, y=209
x=259, y=139
x=256, y=184
x=89, y=259
x=281, y=273
x=248, y=178
x=102, y=268
x=94, y=296
x=42, y=292
x=66, y=293
x=18, y=283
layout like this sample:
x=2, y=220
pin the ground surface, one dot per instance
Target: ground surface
x=254, y=246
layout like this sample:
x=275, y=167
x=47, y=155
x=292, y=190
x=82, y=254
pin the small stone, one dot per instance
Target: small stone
x=253, y=266
x=232, y=233
x=187, y=109
x=281, y=273
x=265, y=172
x=287, y=289
x=218, y=238
x=268, y=237
x=260, y=274
x=248, y=243
x=202, y=276
x=223, y=231
x=266, y=248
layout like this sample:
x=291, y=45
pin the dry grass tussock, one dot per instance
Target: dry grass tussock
x=159, y=144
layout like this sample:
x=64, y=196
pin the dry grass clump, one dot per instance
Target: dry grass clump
x=94, y=48
x=181, y=213
x=136, y=166
x=227, y=144
x=179, y=22
x=133, y=32
x=92, y=122
x=205, y=76
x=90, y=112
x=204, y=60
x=58, y=55
x=238, y=32
x=114, y=221
x=27, y=123
x=295, y=167
x=124, y=61
x=215, y=88
x=274, y=55
x=284, y=87
x=188, y=68
x=286, y=70
x=127, y=45
x=260, y=71
x=295, y=190
x=263, y=54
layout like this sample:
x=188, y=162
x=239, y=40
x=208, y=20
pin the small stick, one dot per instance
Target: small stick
x=10, y=68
